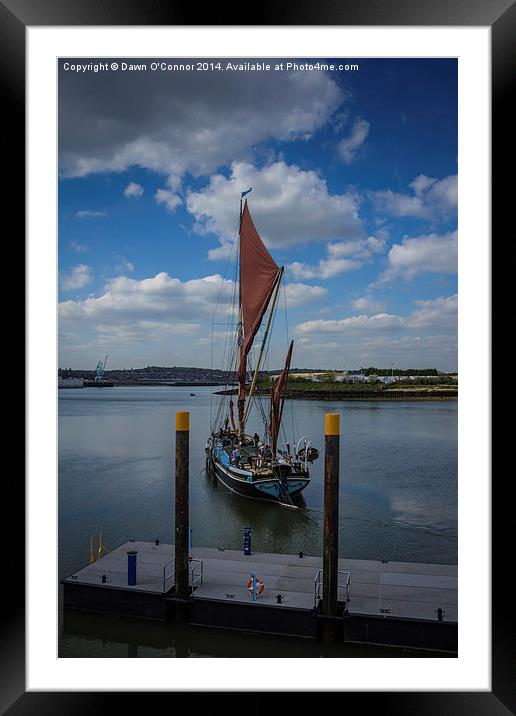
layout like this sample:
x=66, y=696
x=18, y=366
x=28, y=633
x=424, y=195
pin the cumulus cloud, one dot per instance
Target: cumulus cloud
x=168, y=198
x=381, y=349
x=367, y=305
x=76, y=278
x=177, y=122
x=159, y=297
x=431, y=198
x=353, y=324
x=350, y=147
x=298, y=294
x=131, y=310
x=289, y=207
x=438, y=313
x=428, y=253
x=343, y=256
x=133, y=190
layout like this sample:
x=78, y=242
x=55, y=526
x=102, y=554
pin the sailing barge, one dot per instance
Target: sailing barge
x=250, y=465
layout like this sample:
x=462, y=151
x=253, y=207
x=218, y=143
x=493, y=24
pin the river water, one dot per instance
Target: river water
x=398, y=487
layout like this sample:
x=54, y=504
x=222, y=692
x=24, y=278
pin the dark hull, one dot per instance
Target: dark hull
x=270, y=490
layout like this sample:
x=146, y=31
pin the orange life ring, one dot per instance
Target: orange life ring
x=260, y=585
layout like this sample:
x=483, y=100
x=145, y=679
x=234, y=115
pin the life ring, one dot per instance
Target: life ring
x=260, y=585
x=313, y=454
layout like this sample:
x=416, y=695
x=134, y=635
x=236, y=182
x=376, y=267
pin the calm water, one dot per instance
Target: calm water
x=398, y=497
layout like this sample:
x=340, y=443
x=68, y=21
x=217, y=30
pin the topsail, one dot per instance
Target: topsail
x=278, y=398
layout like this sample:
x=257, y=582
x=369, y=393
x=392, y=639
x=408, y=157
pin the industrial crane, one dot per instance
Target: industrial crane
x=99, y=371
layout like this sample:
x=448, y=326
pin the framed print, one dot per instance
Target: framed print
x=139, y=126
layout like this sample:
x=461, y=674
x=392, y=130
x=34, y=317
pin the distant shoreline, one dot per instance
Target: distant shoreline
x=141, y=383
x=378, y=395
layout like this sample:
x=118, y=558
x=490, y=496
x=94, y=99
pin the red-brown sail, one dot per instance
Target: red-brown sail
x=277, y=400
x=258, y=273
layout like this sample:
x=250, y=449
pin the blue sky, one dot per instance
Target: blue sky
x=354, y=178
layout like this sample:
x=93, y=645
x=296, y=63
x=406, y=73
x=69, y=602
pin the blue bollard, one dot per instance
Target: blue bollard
x=254, y=586
x=190, y=538
x=131, y=568
x=247, y=541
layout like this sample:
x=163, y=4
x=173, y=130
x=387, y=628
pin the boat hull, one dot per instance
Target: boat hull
x=263, y=489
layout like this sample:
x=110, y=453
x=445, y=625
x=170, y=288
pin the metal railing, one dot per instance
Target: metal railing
x=343, y=583
x=170, y=575
x=196, y=572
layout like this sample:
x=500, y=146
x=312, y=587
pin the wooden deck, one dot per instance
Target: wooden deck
x=392, y=589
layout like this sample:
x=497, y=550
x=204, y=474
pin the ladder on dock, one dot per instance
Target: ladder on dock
x=196, y=572
x=343, y=583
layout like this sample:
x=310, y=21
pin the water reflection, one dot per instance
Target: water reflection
x=85, y=634
x=398, y=497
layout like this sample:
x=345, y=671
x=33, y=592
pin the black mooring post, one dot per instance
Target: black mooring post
x=182, y=472
x=331, y=521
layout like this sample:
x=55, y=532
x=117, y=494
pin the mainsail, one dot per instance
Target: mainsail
x=258, y=275
x=277, y=400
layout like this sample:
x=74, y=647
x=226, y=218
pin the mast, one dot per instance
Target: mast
x=240, y=338
x=262, y=348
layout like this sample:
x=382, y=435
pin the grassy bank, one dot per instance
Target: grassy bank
x=420, y=389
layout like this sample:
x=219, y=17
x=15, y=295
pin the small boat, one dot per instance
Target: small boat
x=193, y=395
x=252, y=465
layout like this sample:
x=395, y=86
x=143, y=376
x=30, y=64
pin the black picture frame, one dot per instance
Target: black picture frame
x=500, y=16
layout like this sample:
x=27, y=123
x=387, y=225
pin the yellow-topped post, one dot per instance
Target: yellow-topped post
x=181, y=511
x=182, y=421
x=332, y=424
x=331, y=519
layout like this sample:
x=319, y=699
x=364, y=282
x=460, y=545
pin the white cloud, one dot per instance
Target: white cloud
x=133, y=190
x=350, y=147
x=299, y=294
x=438, y=313
x=79, y=248
x=354, y=324
x=432, y=199
x=161, y=297
x=367, y=305
x=168, y=198
x=177, y=122
x=89, y=213
x=428, y=253
x=130, y=311
x=343, y=256
x=289, y=207
x=77, y=277
x=380, y=349
x=327, y=268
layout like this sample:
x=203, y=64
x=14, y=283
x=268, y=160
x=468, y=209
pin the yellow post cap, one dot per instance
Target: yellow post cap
x=332, y=424
x=182, y=420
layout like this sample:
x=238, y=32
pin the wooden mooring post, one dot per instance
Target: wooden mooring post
x=181, y=528
x=331, y=523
